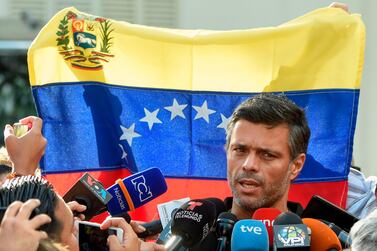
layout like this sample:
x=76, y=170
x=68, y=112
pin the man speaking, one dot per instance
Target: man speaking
x=267, y=140
x=266, y=143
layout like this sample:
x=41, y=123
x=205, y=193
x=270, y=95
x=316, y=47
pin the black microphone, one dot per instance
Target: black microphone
x=166, y=233
x=91, y=193
x=224, y=228
x=290, y=233
x=191, y=224
x=342, y=235
x=219, y=205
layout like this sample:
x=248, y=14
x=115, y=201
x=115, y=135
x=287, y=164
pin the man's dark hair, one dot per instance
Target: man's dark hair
x=274, y=110
x=4, y=169
x=5, y=163
x=33, y=187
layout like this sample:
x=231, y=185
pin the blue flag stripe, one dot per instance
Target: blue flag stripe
x=94, y=126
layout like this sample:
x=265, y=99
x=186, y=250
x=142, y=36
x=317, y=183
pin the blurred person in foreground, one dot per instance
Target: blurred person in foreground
x=363, y=234
x=54, y=218
x=25, y=153
x=17, y=231
x=5, y=165
x=59, y=226
x=20, y=232
x=362, y=191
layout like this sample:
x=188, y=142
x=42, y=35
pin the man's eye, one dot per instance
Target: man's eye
x=239, y=150
x=267, y=155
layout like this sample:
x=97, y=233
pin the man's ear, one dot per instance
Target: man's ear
x=297, y=165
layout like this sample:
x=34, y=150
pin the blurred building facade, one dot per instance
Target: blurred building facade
x=20, y=21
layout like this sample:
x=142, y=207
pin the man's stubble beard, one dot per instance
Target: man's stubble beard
x=270, y=193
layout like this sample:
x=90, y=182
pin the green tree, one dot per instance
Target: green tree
x=16, y=100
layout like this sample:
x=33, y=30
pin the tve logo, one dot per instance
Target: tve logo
x=249, y=235
x=141, y=186
x=251, y=229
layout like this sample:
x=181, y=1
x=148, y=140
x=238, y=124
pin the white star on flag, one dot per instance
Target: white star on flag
x=129, y=133
x=151, y=118
x=203, y=112
x=124, y=154
x=176, y=110
x=224, y=122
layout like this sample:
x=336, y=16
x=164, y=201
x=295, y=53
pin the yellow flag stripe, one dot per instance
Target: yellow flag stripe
x=322, y=49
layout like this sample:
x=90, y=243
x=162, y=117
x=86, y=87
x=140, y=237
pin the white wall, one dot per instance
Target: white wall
x=240, y=14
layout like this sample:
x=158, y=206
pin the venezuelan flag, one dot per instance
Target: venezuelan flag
x=117, y=98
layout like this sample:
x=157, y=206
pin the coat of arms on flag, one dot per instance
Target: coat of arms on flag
x=90, y=45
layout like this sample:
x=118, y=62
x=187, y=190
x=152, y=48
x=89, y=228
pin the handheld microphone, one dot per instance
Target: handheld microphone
x=290, y=233
x=166, y=231
x=342, y=235
x=91, y=193
x=322, y=237
x=191, y=224
x=249, y=235
x=224, y=227
x=218, y=205
x=135, y=191
x=267, y=216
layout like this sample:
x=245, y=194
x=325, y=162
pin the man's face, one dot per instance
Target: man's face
x=259, y=166
x=65, y=217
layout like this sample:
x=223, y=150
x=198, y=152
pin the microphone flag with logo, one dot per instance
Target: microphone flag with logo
x=136, y=190
x=89, y=192
x=290, y=233
x=249, y=235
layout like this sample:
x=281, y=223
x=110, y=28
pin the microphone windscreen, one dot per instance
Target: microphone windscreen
x=193, y=221
x=228, y=216
x=219, y=205
x=290, y=232
x=225, y=223
x=136, y=190
x=292, y=237
x=267, y=216
x=89, y=192
x=249, y=235
x=287, y=218
x=322, y=237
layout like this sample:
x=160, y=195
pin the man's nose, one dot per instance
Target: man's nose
x=251, y=162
